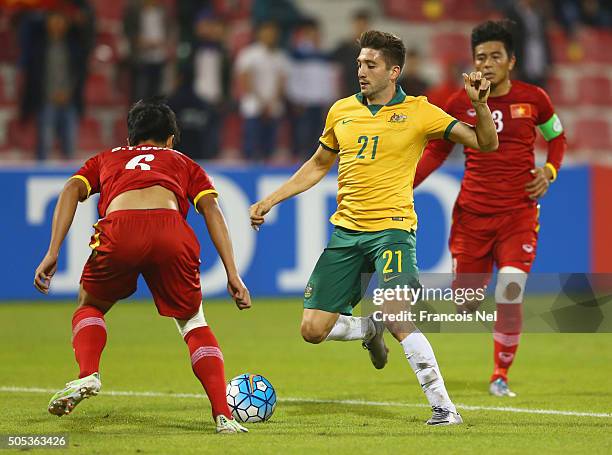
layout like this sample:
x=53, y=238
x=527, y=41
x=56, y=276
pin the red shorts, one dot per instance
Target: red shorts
x=478, y=242
x=160, y=245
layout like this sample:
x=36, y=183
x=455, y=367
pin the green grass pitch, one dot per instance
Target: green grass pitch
x=319, y=388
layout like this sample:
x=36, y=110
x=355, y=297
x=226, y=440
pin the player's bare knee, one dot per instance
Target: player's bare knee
x=312, y=333
x=86, y=299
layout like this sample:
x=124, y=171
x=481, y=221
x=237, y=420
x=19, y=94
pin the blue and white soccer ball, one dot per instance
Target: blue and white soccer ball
x=251, y=398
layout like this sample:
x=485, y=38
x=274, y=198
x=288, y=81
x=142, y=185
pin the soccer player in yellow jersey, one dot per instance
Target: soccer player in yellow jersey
x=378, y=136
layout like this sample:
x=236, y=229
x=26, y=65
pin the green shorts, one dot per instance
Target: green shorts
x=343, y=271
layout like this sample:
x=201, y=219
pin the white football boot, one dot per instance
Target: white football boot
x=442, y=416
x=227, y=426
x=499, y=388
x=64, y=401
x=376, y=345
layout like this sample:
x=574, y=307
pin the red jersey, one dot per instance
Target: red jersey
x=494, y=182
x=122, y=169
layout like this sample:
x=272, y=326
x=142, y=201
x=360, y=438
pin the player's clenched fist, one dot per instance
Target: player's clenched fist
x=477, y=87
x=239, y=292
x=257, y=213
x=44, y=273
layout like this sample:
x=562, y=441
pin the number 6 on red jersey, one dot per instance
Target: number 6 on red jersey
x=135, y=162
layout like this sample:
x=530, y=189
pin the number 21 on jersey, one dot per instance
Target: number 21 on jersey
x=363, y=140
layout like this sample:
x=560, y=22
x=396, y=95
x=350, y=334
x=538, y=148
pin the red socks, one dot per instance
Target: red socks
x=207, y=364
x=88, y=338
x=506, y=338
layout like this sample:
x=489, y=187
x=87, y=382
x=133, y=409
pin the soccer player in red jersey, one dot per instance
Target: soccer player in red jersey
x=495, y=219
x=145, y=189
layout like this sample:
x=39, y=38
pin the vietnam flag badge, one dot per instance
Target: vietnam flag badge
x=522, y=110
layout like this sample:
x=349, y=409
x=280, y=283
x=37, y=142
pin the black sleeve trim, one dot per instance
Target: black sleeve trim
x=449, y=128
x=329, y=149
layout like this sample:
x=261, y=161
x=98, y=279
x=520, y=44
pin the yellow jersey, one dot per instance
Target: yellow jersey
x=379, y=148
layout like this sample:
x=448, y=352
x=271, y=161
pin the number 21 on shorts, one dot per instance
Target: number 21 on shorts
x=388, y=256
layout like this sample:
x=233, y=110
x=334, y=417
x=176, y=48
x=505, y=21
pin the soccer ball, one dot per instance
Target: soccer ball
x=251, y=398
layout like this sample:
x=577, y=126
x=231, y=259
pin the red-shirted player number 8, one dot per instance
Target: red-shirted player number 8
x=136, y=162
x=498, y=118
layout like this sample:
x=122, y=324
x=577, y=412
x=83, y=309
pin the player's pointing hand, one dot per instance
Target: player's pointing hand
x=477, y=87
x=257, y=213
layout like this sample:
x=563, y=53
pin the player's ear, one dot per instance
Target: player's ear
x=170, y=142
x=395, y=73
x=512, y=62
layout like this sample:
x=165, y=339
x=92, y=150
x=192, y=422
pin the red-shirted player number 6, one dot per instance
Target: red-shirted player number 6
x=136, y=162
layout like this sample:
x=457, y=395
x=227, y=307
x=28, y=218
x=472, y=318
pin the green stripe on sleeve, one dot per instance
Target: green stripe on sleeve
x=328, y=148
x=552, y=128
x=449, y=128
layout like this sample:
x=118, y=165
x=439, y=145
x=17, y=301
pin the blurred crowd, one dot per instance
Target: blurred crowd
x=275, y=86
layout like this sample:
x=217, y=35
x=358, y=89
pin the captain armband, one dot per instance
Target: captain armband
x=551, y=128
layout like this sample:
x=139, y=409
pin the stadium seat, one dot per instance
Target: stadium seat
x=240, y=35
x=589, y=46
x=592, y=134
x=99, y=91
x=108, y=48
x=120, y=132
x=446, y=46
x=111, y=10
x=435, y=10
x=560, y=46
x=90, y=136
x=557, y=89
x=466, y=10
x=408, y=10
x=233, y=9
x=597, y=45
x=594, y=90
x=3, y=96
x=231, y=133
x=9, y=51
x=22, y=135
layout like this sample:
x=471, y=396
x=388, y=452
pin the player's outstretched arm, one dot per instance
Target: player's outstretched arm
x=74, y=191
x=483, y=136
x=219, y=234
x=311, y=173
x=434, y=155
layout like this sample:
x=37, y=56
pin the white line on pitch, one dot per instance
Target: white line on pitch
x=128, y=393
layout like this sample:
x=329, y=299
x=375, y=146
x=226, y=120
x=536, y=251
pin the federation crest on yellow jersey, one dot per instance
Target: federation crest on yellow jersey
x=398, y=118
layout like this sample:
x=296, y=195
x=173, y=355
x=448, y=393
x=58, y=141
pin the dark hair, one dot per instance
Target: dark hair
x=390, y=45
x=494, y=31
x=151, y=119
